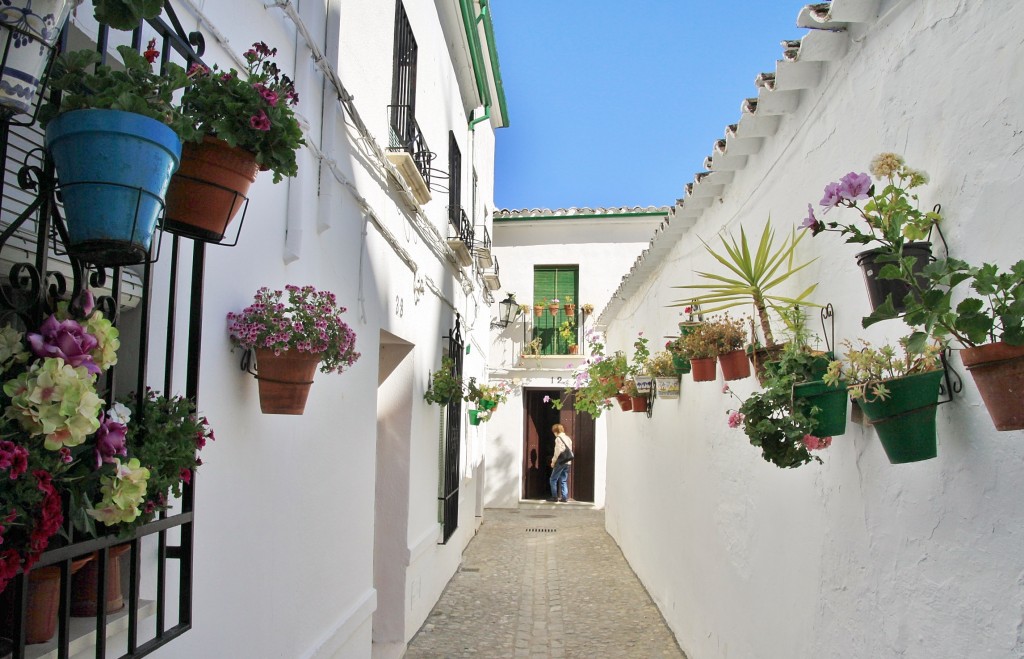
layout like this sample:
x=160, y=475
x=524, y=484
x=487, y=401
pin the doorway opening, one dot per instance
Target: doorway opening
x=539, y=445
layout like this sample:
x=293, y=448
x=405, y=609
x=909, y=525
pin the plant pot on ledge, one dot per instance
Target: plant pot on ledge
x=704, y=370
x=285, y=379
x=734, y=365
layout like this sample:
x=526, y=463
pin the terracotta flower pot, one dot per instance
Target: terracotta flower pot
x=285, y=380
x=625, y=402
x=761, y=356
x=998, y=372
x=208, y=189
x=553, y=308
x=734, y=365
x=574, y=349
x=570, y=310
x=639, y=403
x=44, y=601
x=704, y=370
x=538, y=310
x=85, y=585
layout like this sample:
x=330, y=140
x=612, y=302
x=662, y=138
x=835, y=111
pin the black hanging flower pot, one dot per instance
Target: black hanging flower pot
x=871, y=263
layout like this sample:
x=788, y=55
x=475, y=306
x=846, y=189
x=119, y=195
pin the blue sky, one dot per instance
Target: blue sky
x=615, y=103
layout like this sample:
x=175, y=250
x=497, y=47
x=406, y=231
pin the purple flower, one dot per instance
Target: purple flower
x=832, y=196
x=260, y=121
x=547, y=399
x=811, y=222
x=67, y=340
x=110, y=441
x=854, y=186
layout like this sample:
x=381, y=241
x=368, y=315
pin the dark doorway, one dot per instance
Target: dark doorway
x=539, y=445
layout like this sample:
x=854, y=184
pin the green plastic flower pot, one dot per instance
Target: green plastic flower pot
x=682, y=364
x=474, y=419
x=487, y=404
x=830, y=404
x=905, y=420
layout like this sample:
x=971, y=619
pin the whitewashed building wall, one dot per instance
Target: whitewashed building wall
x=855, y=557
x=287, y=562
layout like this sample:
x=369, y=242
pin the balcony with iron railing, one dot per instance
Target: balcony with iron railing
x=408, y=151
x=460, y=235
x=482, y=250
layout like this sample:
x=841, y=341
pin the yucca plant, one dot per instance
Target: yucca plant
x=753, y=276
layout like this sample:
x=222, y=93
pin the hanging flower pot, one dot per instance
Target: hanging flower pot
x=704, y=370
x=538, y=310
x=826, y=405
x=474, y=417
x=625, y=402
x=113, y=169
x=761, y=356
x=639, y=403
x=998, y=372
x=879, y=289
x=644, y=384
x=28, y=30
x=85, y=585
x=667, y=387
x=905, y=419
x=570, y=310
x=285, y=379
x=208, y=189
x=734, y=365
x=574, y=349
x=553, y=309
x=682, y=364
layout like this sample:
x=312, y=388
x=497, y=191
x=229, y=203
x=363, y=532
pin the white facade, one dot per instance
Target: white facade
x=602, y=243
x=318, y=535
x=855, y=557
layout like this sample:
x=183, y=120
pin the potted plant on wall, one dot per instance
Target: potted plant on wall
x=898, y=393
x=446, y=386
x=570, y=307
x=753, y=276
x=642, y=379
x=701, y=344
x=597, y=381
x=114, y=141
x=553, y=306
x=538, y=307
x=486, y=397
x=732, y=335
x=893, y=220
x=237, y=124
x=666, y=377
x=291, y=337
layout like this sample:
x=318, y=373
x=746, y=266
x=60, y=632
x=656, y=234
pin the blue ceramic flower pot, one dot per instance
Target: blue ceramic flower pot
x=113, y=168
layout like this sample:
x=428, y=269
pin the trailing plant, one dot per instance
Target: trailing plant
x=754, y=275
x=597, y=380
x=783, y=432
x=126, y=14
x=446, y=386
x=865, y=369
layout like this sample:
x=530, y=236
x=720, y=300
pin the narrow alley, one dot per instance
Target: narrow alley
x=544, y=581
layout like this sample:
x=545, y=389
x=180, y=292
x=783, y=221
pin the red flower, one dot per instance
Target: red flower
x=151, y=53
x=260, y=121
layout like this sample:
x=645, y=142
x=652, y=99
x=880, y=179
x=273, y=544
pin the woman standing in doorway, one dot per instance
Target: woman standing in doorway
x=560, y=462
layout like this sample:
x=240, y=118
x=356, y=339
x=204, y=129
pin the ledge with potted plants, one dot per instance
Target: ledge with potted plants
x=64, y=456
x=292, y=332
x=753, y=275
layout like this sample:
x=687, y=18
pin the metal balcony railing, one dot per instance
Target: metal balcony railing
x=407, y=136
x=459, y=226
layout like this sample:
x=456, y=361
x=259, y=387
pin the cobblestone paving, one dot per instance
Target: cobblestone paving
x=544, y=582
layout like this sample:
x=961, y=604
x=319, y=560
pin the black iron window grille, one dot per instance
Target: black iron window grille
x=39, y=273
x=460, y=227
x=455, y=179
x=448, y=501
x=406, y=136
x=405, y=132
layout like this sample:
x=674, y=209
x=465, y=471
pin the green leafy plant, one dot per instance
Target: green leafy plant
x=754, y=276
x=446, y=386
x=865, y=369
x=567, y=330
x=597, y=380
x=136, y=88
x=126, y=14
x=715, y=336
x=251, y=110
x=783, y=432
x=641, y=353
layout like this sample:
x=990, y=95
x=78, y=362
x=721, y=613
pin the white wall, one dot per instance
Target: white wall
x=856, y=557
x=604, y=248
x=286, y=505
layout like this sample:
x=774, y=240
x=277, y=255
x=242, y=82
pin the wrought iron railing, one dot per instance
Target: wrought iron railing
x=460, y=226
x=34, y=237
x=407, y=136
x=448, y=501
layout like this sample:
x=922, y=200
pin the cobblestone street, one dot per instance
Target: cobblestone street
x=544, y=581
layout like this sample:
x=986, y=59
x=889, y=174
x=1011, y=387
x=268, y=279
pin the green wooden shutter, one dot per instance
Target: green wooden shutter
x=553, y=282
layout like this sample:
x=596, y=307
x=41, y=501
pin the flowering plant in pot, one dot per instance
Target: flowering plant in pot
x=52, y=415
x=567, y=330
x=638, y=365
x=892, y=219
x=732, y=334
x=446, y=386
x=596, y=381
x=114, y=140
x=553, y=306
x=701, y=345
x=666, y=379
x=987, y=322
x=236, y=125
x=291, y=336
x=898, y=392
x=487, y=397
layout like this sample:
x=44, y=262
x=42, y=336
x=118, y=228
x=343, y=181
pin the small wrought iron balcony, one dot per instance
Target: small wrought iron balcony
x=410, y=147
x=460, y=235
x=490, y=276
x=484, y=258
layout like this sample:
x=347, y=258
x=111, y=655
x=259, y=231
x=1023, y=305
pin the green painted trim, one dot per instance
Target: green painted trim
x=492, y=53
x=475, y=54
x=486, y=115
x=580, y=217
